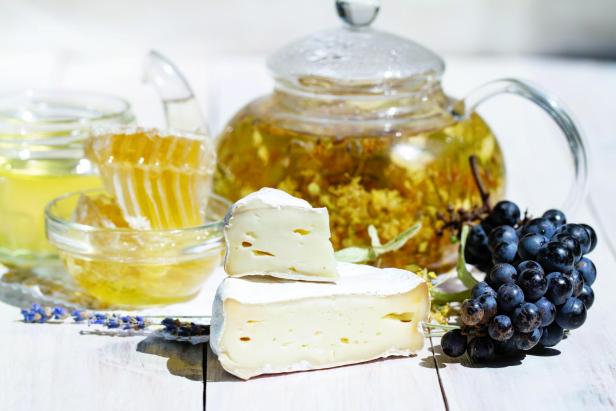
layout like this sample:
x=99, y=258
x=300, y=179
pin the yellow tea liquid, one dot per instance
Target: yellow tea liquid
x=26, y=186
x=390, y=179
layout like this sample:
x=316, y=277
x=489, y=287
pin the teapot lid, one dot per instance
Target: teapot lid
x=355, y=53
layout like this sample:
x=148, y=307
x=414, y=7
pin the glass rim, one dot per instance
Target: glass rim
x=15, y=130
x=129, y=129
x=50, y=216
x=56, y=93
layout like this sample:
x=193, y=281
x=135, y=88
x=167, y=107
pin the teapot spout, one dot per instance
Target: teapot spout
x=181, y=108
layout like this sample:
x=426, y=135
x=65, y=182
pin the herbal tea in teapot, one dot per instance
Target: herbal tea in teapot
x=390, y=179
x=358, y=123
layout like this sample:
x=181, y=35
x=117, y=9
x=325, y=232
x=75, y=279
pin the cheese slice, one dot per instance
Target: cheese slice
x=263, y=325
x=270, y=232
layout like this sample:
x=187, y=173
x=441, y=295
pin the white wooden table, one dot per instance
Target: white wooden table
x=53, y=367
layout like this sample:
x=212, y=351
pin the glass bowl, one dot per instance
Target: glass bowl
x=122, y=267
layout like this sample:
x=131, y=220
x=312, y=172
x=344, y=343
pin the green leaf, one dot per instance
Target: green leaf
x=463, y=274
x=371, y=253
x=440, y=297
x=355, y=254
x=374, y=236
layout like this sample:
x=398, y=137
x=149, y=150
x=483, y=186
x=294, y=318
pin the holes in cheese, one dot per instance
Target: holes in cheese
x=402, y=317
x=294, y=237
x=262, y=253
x=368, y=313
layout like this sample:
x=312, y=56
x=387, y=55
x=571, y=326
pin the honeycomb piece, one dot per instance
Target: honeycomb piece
x=159, y=181
x=99, y=211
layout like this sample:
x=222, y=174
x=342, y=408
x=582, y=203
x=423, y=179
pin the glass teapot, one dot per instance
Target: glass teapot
x=358, y=122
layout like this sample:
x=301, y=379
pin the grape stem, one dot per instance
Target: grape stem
x=485, y=195
x=453, y=219
x=441, y=326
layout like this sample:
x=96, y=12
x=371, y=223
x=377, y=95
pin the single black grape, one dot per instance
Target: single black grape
x=571, y=243
x=477, y=236
x=541, y=226
x=488, y=280
x=592, y=235
x=500, y=328
x=509, y=296
x=526, y=341
x=481, y=349
x=533, y=283
x=505, y=213
x=489, y=305
x=529, y=264
x=555, y=257
x=526, y=317
x=547, y=310
x=587, y=296
x=572, y=314
x=502, y=234
x=588, y=270
x=530, y=244
x=489, y=224
x=503, y=273
x=453, y=343
x=472, y=257
x=560, y=288
x=506, y=348
x=556, y=217
x=579, y=233
x=576, y=280
x=552, y=335
x=476, y=249
x=504, y=253
x=482, y=288
x=471, y=312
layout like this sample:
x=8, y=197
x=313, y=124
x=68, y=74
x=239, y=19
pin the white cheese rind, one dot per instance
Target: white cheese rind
x=263, y=326
x=270, y=232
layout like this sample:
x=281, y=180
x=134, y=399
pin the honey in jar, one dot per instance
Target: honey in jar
x=41, y=157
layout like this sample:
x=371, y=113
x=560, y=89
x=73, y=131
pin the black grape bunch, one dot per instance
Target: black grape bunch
x=538, y=283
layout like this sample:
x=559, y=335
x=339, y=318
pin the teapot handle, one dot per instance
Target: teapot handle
x=181, y=109
x=554, y=109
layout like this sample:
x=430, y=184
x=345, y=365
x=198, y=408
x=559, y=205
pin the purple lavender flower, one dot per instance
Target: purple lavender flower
x=59, y=313
x=98, y=318
x=28, y=315
x=112, y=323
x=77, y=315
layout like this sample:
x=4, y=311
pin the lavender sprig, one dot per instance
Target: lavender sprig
x=38, y=314
x=120, y=324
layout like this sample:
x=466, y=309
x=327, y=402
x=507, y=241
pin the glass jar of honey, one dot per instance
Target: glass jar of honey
x=358, y=122
x=41, y=157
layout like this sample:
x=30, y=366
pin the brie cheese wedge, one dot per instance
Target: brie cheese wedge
x=263, y=325
x=270, y=232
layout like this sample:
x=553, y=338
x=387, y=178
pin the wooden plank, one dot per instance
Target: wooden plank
x=392, y=384
x=52, y=367
x=579, y=373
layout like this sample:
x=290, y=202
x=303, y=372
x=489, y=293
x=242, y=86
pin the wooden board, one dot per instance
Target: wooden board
x=392, y=384
x=53, y=367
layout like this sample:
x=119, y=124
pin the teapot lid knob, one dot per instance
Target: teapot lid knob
x=358, y=13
